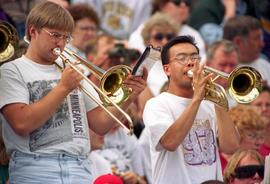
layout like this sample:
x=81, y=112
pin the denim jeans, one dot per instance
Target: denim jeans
x=55, y=168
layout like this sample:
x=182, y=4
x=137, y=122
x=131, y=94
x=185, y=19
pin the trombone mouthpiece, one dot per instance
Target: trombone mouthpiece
x=190, y=73
x=57, y=51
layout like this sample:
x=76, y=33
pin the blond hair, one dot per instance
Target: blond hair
x=233, y=163
x=247, y=117
x=159, y=20
x=51, y=15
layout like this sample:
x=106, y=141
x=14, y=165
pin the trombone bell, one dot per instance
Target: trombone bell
x=245, y=84
x=8, y=41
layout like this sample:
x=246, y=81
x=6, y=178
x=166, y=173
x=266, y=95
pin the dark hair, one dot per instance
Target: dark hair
x=212, y=182
x=266, y=88
x=80, y=11
x=158, y=4
x=176, y=40
x=240, y=26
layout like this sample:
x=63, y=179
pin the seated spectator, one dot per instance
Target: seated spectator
x=248, y=38
x=223, y=55
x=263, y=103
x=99, y=165
x=244, y=167
x=120, y=17
x=157, y=31
x=124, y=155
x=177, y=11
x=262, y=9
x=250, y=125
x=208, y=16
x=86, y=27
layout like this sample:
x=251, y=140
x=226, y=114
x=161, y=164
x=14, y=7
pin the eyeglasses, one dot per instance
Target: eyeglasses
x=57, y=36
x=178, y=2
x=88, y=28
x=184, y=58
x=249, y=171
x=265, y=105
x=255, y=135
x=161, y=36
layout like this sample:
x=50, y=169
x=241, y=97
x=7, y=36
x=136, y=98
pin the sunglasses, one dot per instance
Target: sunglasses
x=161, y=36
x=178, y=2
x=249, y=171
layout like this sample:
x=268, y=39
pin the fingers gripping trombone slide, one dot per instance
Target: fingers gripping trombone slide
x=113, y=73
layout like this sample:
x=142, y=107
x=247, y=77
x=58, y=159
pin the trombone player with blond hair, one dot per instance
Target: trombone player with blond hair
x=46, y=115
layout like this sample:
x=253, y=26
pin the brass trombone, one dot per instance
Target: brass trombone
x=9, y=39
x=111, y=84
x=244, y=85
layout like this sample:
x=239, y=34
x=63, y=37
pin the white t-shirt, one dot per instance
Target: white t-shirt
x=120, y=17
x=196, y=159
x=144, y=141
x=24, y=81
x=98, y=164
x=136, y=40
x=123, y=151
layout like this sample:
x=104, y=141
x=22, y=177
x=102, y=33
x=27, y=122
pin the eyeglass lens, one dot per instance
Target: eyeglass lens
x=178, y=2
x=161, y=36
x=249, y=171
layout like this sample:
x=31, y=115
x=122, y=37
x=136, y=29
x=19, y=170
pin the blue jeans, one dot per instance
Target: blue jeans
x=55, y=168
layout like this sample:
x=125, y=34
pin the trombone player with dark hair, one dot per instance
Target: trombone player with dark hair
x=183, y=126
x=46, y=115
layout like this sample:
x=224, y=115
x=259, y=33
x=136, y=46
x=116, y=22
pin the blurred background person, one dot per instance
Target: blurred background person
x=99, y=165
x=244, y=167
x=223, y=55
x=262, y=102
x=246, y=33
x=251, y=127
x=86, y=28
x=120, y=18
x=179, y=11
x=262, y=8
x=18, y=11
x=208, y=16
x=124, y=154
x=157, y=31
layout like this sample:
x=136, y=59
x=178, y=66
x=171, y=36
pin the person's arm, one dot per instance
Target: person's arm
x=176, y=133
x=228, y=136
x=25, y=118
x=100, y=121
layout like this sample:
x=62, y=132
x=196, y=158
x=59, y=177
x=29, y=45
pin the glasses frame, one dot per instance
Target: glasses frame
x=186, y=58
x=57, y=36
x=248, y=171
x=160, y=36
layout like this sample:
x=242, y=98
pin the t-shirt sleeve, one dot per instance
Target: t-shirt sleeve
x=89, y=102
x=13, y=89
x=158, y=119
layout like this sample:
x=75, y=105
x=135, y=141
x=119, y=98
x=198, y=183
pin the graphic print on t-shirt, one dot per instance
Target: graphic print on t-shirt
x=58, y=128
x=117, y=17
x=199, y=145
